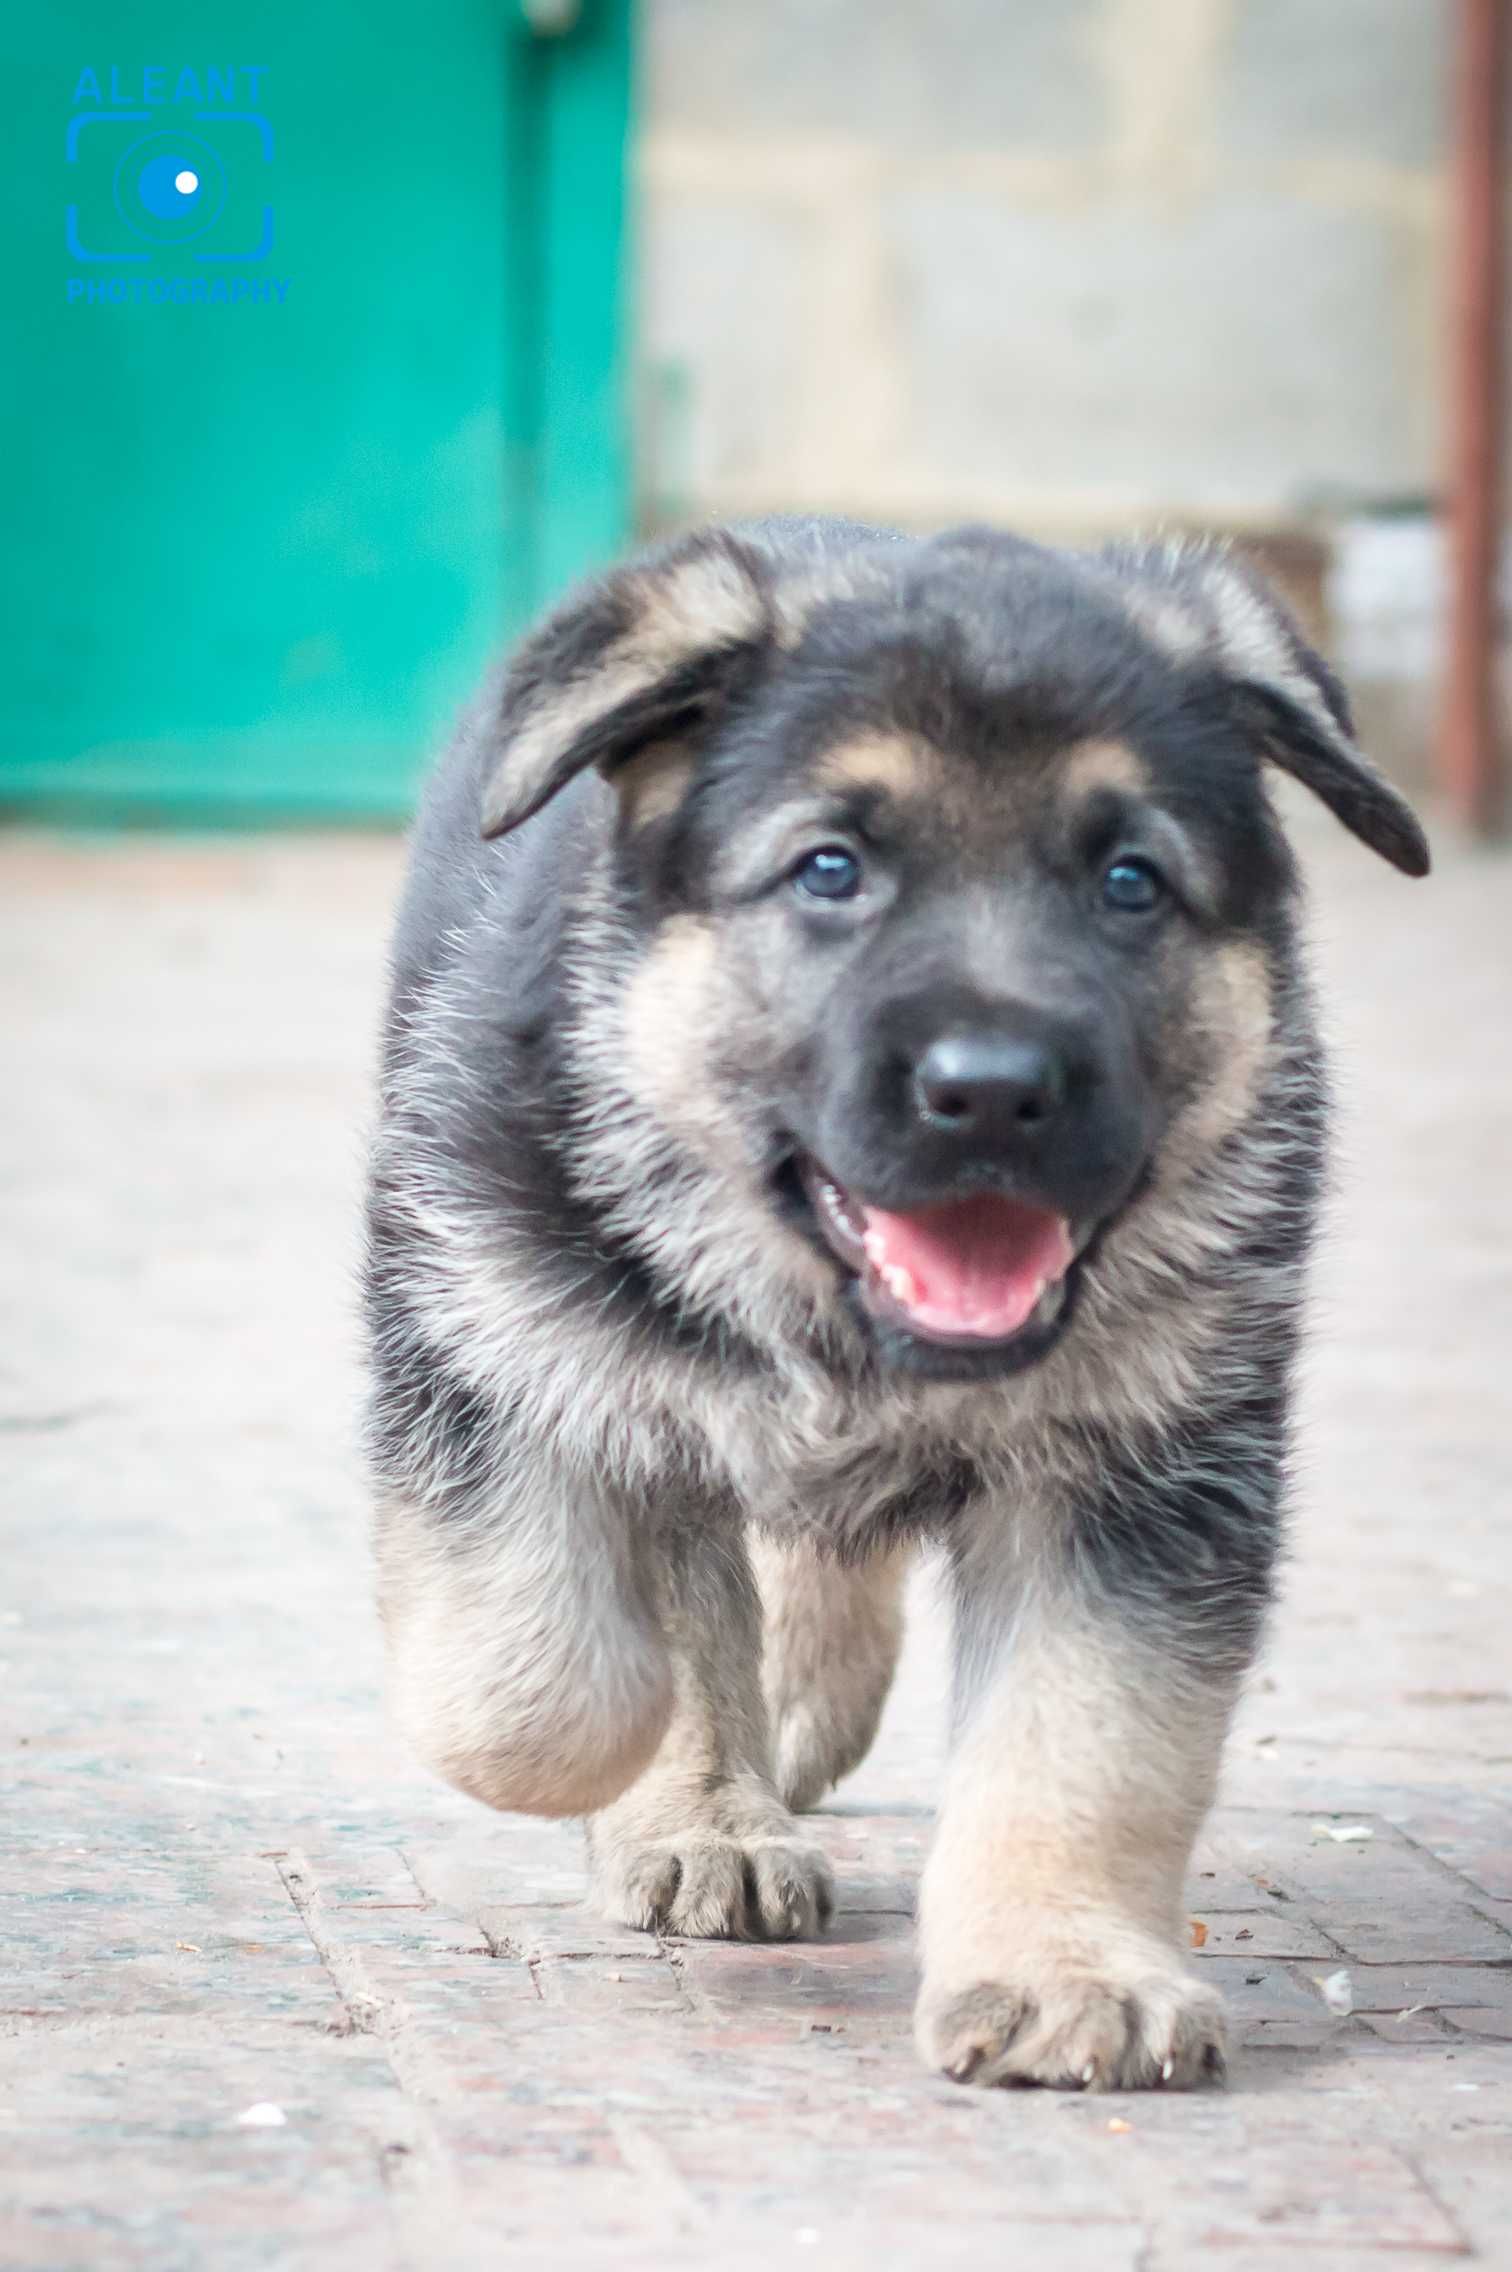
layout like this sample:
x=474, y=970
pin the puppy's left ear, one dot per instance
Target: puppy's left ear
x=646, y=653
x=1199, y=604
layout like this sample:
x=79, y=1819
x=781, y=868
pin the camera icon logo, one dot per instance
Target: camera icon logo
x=169, y=187
x=145, y=185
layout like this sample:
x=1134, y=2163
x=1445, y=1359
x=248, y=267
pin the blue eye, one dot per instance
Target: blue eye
x=1132, y=887
x=829, y=873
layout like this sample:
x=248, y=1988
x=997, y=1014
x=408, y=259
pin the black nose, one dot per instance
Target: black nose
x=991, y=1087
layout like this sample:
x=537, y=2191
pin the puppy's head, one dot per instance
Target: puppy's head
x=956, y=895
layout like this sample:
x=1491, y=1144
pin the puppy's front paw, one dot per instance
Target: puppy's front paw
x=710, y=1885
x=1076, y=2011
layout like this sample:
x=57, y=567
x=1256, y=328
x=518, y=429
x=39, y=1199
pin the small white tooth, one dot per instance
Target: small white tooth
x=1089, y=2071
x=1168, y=2070
x=898, y=1281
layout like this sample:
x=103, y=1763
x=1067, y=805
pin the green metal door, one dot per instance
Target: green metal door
x=314, y=387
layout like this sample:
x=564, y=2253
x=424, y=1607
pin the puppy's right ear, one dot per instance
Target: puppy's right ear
x=642, y=655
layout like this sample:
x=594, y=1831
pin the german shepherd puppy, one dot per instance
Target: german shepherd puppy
x=850, y=1078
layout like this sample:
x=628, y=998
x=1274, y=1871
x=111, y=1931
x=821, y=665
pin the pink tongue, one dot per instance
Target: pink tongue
x=976, y=1266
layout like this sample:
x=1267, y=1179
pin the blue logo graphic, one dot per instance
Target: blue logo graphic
x=169, y=186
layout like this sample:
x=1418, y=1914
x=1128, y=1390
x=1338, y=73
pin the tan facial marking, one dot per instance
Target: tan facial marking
x=670, y=1011
x=1091, y=766
x=898, y=765
x=654, y=782
x=1233, y=1014
x=681, y=1022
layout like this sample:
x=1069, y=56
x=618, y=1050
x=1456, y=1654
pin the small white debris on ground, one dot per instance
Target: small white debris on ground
x=1337, y=1991
x=263, y=2116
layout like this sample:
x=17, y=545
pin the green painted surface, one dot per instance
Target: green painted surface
x=256, y=553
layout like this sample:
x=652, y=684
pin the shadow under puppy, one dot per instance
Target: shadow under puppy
x=850, y=1079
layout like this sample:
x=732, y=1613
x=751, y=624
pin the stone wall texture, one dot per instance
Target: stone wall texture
x=1072, y=263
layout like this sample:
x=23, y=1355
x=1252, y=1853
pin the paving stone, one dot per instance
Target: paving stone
x=1386, y=1900
x=1262, y=1933
x=223, y=1885
x=1471, y=1836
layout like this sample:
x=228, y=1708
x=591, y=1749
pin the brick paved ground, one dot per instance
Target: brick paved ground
x=228, y=1891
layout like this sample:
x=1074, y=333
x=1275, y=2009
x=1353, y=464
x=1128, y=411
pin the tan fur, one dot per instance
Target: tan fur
x=1246, y=632
x=654, y=782
x=1051, y=1908
x=533, y=753
x=1091, y=766
x=702, y=1844
x=1252, y=647
x=679, y=1012
x=1232, y=1017
x=903, y=767
x=702, y=602
x=680, y=1019
x=801, y=593
x=669, y=1005
x=1162, y=618
x=525, y=1667
x=833, y=1634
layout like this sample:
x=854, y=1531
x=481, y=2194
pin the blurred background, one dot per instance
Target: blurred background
x=463, y=298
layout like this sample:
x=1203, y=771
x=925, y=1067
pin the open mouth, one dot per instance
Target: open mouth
x=983, y=1272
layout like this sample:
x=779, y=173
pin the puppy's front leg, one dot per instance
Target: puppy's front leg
x=702, y=1844
x=525, y=1661
x=1093, y=1698
x=834, y=1631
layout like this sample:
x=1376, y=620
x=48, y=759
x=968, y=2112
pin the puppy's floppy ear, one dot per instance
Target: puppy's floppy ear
x=1204, y=608
x=642, y=654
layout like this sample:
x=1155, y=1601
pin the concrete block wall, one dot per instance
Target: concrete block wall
x=1071, y=263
